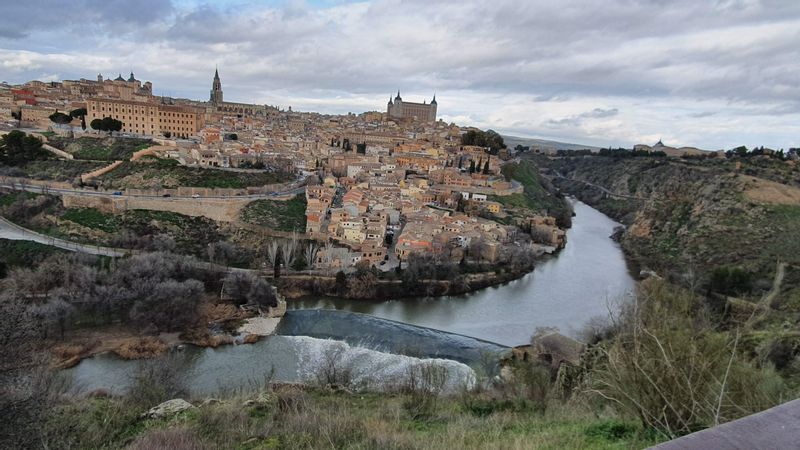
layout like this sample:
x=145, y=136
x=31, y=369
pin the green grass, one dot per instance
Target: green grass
x=536, y=196
x=23, y=254
x=287, y=215
x=106, y=149
x=52, y=169
x=171, y=175
x=8, y=198
x=91, y=218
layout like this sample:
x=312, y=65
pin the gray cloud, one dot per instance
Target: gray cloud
x=623, y=68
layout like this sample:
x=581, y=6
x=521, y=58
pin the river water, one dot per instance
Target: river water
x=584, y=280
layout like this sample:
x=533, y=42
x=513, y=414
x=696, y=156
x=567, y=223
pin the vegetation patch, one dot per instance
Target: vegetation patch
x=167, y=173
x=23, y=254
x=54, y=170
x=91, y=218
x=539, y=196
x=107, y=149
x=278, y=215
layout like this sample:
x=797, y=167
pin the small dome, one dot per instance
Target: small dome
x=119, y=78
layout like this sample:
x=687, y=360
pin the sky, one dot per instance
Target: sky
x=707, y=73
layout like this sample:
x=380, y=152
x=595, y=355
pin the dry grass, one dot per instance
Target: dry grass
x=169, y=439
x=141, y=348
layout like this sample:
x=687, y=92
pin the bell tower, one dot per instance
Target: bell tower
x=216, y=89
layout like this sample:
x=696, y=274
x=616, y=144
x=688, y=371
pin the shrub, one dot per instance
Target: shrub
x=670, y=368
x=731, y=281
x=156, y=381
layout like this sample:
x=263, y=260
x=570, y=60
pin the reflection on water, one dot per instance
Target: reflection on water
x=588, y=277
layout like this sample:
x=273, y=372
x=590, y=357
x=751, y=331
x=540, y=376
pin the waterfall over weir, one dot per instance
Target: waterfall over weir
x=372, y=353
x=388, y=335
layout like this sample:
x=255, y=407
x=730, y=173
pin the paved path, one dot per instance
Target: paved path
x=12, y=231
x=116, y=194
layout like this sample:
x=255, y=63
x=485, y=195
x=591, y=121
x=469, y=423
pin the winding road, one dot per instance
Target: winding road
x=14, y=232
x=4, y=183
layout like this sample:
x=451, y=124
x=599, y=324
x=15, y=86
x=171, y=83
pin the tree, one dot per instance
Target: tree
x=60, y=118
x=16, y=148
x=310, y=254
x=79, y=113
x=486, y=167
x=108, y=124
x=471, y=166
x=245, y=287
x=171, y=305
x=233, y=137
x=274, y=257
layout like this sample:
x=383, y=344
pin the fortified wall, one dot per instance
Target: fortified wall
x=221, y=210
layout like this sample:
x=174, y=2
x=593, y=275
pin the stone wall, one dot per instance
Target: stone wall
x=222, y=210
x=101, y=171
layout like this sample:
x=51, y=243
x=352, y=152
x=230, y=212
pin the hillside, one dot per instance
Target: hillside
x=730, y=232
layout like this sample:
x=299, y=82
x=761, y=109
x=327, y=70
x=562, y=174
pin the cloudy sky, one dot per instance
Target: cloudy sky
x=713, y=74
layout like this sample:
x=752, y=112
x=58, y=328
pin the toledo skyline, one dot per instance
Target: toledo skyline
x=708, y=74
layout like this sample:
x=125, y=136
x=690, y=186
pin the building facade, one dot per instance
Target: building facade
x=398, y=109
x=147, y=118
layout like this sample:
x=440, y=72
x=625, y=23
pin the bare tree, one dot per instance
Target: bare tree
x=310, y=254
x=289, y=250
x=274, y=257
x=328, y=258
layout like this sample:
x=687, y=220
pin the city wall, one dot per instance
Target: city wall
x=222, y=210
x=101, y=171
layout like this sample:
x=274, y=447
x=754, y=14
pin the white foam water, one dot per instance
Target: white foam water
x=362, y=368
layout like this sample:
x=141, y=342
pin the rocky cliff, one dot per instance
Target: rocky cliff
x=688, y=219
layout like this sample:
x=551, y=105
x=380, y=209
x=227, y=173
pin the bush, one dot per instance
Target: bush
x=731, y=281
x=156, y=381
x=669, y=367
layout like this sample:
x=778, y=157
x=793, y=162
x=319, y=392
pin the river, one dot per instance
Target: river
x=584, y=280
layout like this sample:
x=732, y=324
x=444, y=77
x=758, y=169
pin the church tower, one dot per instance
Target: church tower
x=216, y=89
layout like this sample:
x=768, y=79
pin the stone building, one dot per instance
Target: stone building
x=398, y=109
x=218, y=105
x=147, y=118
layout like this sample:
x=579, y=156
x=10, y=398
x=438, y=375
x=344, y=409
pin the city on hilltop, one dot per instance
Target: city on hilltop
x=571, y=225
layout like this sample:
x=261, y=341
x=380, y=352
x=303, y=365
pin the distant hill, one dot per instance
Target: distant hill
x=513, y=141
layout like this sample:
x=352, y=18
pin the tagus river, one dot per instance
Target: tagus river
x=584, y=280
x=380, y=342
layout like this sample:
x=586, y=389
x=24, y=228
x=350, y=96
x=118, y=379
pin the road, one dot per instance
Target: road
x=14, y=232
x=86, y=192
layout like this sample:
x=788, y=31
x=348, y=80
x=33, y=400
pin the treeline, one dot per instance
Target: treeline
x=743, y=152
x=153, y=292
x=488, y=138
